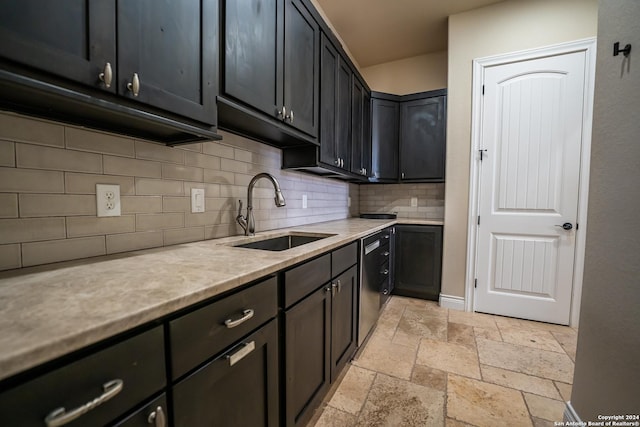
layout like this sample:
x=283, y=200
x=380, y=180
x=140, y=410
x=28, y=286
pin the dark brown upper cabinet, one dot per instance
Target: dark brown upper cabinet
x=385, y=138
x=270, y=79
x=141, y=68
x=409, y=137
x=422, y=138
x=335, y=100
x=360, y=129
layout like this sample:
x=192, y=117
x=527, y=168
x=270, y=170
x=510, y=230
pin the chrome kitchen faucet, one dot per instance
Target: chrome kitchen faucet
x=247, y=223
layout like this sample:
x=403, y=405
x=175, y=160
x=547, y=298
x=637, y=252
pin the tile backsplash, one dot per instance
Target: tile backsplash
x=429, y=200
x=49, y=172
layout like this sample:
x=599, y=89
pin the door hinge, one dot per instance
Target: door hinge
x=483, y=89
x=482, y=151
x=475, y=283
x=478, y=219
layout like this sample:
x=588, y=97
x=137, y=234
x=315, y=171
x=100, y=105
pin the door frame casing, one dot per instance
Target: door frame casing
x=588, y=46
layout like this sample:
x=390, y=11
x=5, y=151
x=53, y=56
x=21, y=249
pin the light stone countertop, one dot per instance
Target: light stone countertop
x=52, y=310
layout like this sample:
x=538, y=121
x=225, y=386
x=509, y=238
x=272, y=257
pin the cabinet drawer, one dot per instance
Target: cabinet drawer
x=137, y=362
x=302, y=280
x=343, y=258
x=201, y=334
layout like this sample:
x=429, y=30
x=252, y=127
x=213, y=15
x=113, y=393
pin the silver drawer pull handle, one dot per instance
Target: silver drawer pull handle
x=385, y=253
x=242, y=353
x=246, y=315
x=134, y=86
x=157, y=418
x=385, y=272
x=59, y=416
x=106, y=76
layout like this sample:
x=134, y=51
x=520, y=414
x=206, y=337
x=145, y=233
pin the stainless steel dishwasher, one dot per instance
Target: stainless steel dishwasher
x=369, y=284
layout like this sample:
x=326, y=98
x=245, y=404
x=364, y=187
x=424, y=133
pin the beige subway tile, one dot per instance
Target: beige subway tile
x=245, y=156
x=31, y=181
x=8, y=205
x=220, y=177
x=10, y=257
x=210, y=190
x=147, y=150
x=220, y=204
x=7, y=153
x=133, y=241
x=176, y=204
x=183, y=235
x=99, y=142
x=31, y=230
x=93, y=226
x=222, y=230
x=147, y=222
x=141, y=204
x=62, y=250
x=234, y=166
x=131, y=167
x=36, y=157
x=158, y=187
x=202, y=160
x=186, y=173
x=216, y=149
x=84, y=183
x=195, y=147
x=202, y=218
x=24, y=129
x=42, y=205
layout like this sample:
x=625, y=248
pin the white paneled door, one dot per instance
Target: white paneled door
x=531, y=137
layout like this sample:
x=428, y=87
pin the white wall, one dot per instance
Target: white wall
x=501, y=28
x=607, y=370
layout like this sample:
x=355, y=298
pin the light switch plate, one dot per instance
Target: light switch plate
x=107, y=200
x=414, y=202
x=197, y=200
x=304, y=201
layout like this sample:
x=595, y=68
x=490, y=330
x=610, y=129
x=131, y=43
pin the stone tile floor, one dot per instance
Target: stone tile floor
x=429, y=366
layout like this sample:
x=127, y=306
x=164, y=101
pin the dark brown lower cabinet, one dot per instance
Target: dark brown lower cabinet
x=418, y=261
x=237, y=389
x=343, y=320
x=152, y=414
x=307, y=341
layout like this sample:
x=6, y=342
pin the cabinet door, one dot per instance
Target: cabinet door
x=343, y=115
x=366, y=133
x=172, y=48
x=252, y=57
x=74, y=39
x=238, y=389
x=384, y=139
x=357, y=96
x=343, y=320
x=301, y=68
x=307, y=356
x=422, y=139
x=329, y=60
x=418, y=259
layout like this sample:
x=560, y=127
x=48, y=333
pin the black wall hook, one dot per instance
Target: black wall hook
x=616, y=49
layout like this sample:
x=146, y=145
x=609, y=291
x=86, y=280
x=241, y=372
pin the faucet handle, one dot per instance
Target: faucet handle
x=239, y=207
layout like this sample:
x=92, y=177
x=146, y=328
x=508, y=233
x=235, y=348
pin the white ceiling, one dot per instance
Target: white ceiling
x=378, y=31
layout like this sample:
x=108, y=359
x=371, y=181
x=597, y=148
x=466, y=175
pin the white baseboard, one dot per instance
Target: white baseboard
x=452, y=302
x=570, y=416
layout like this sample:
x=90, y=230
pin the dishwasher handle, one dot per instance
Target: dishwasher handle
x=371, y=247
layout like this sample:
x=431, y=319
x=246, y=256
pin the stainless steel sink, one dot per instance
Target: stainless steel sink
x=282, y=243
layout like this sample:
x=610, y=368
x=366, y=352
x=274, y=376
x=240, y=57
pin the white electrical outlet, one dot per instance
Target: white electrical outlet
x=304, y=201
x=197, y=200
x=108, y=200
x=414, y=202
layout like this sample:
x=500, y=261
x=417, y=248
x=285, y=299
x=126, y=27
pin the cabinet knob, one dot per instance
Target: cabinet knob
x=282, y=113
x=157, y=418
x=106, y=76
x=289, y=117
x=134, y=85
x=402, y=175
